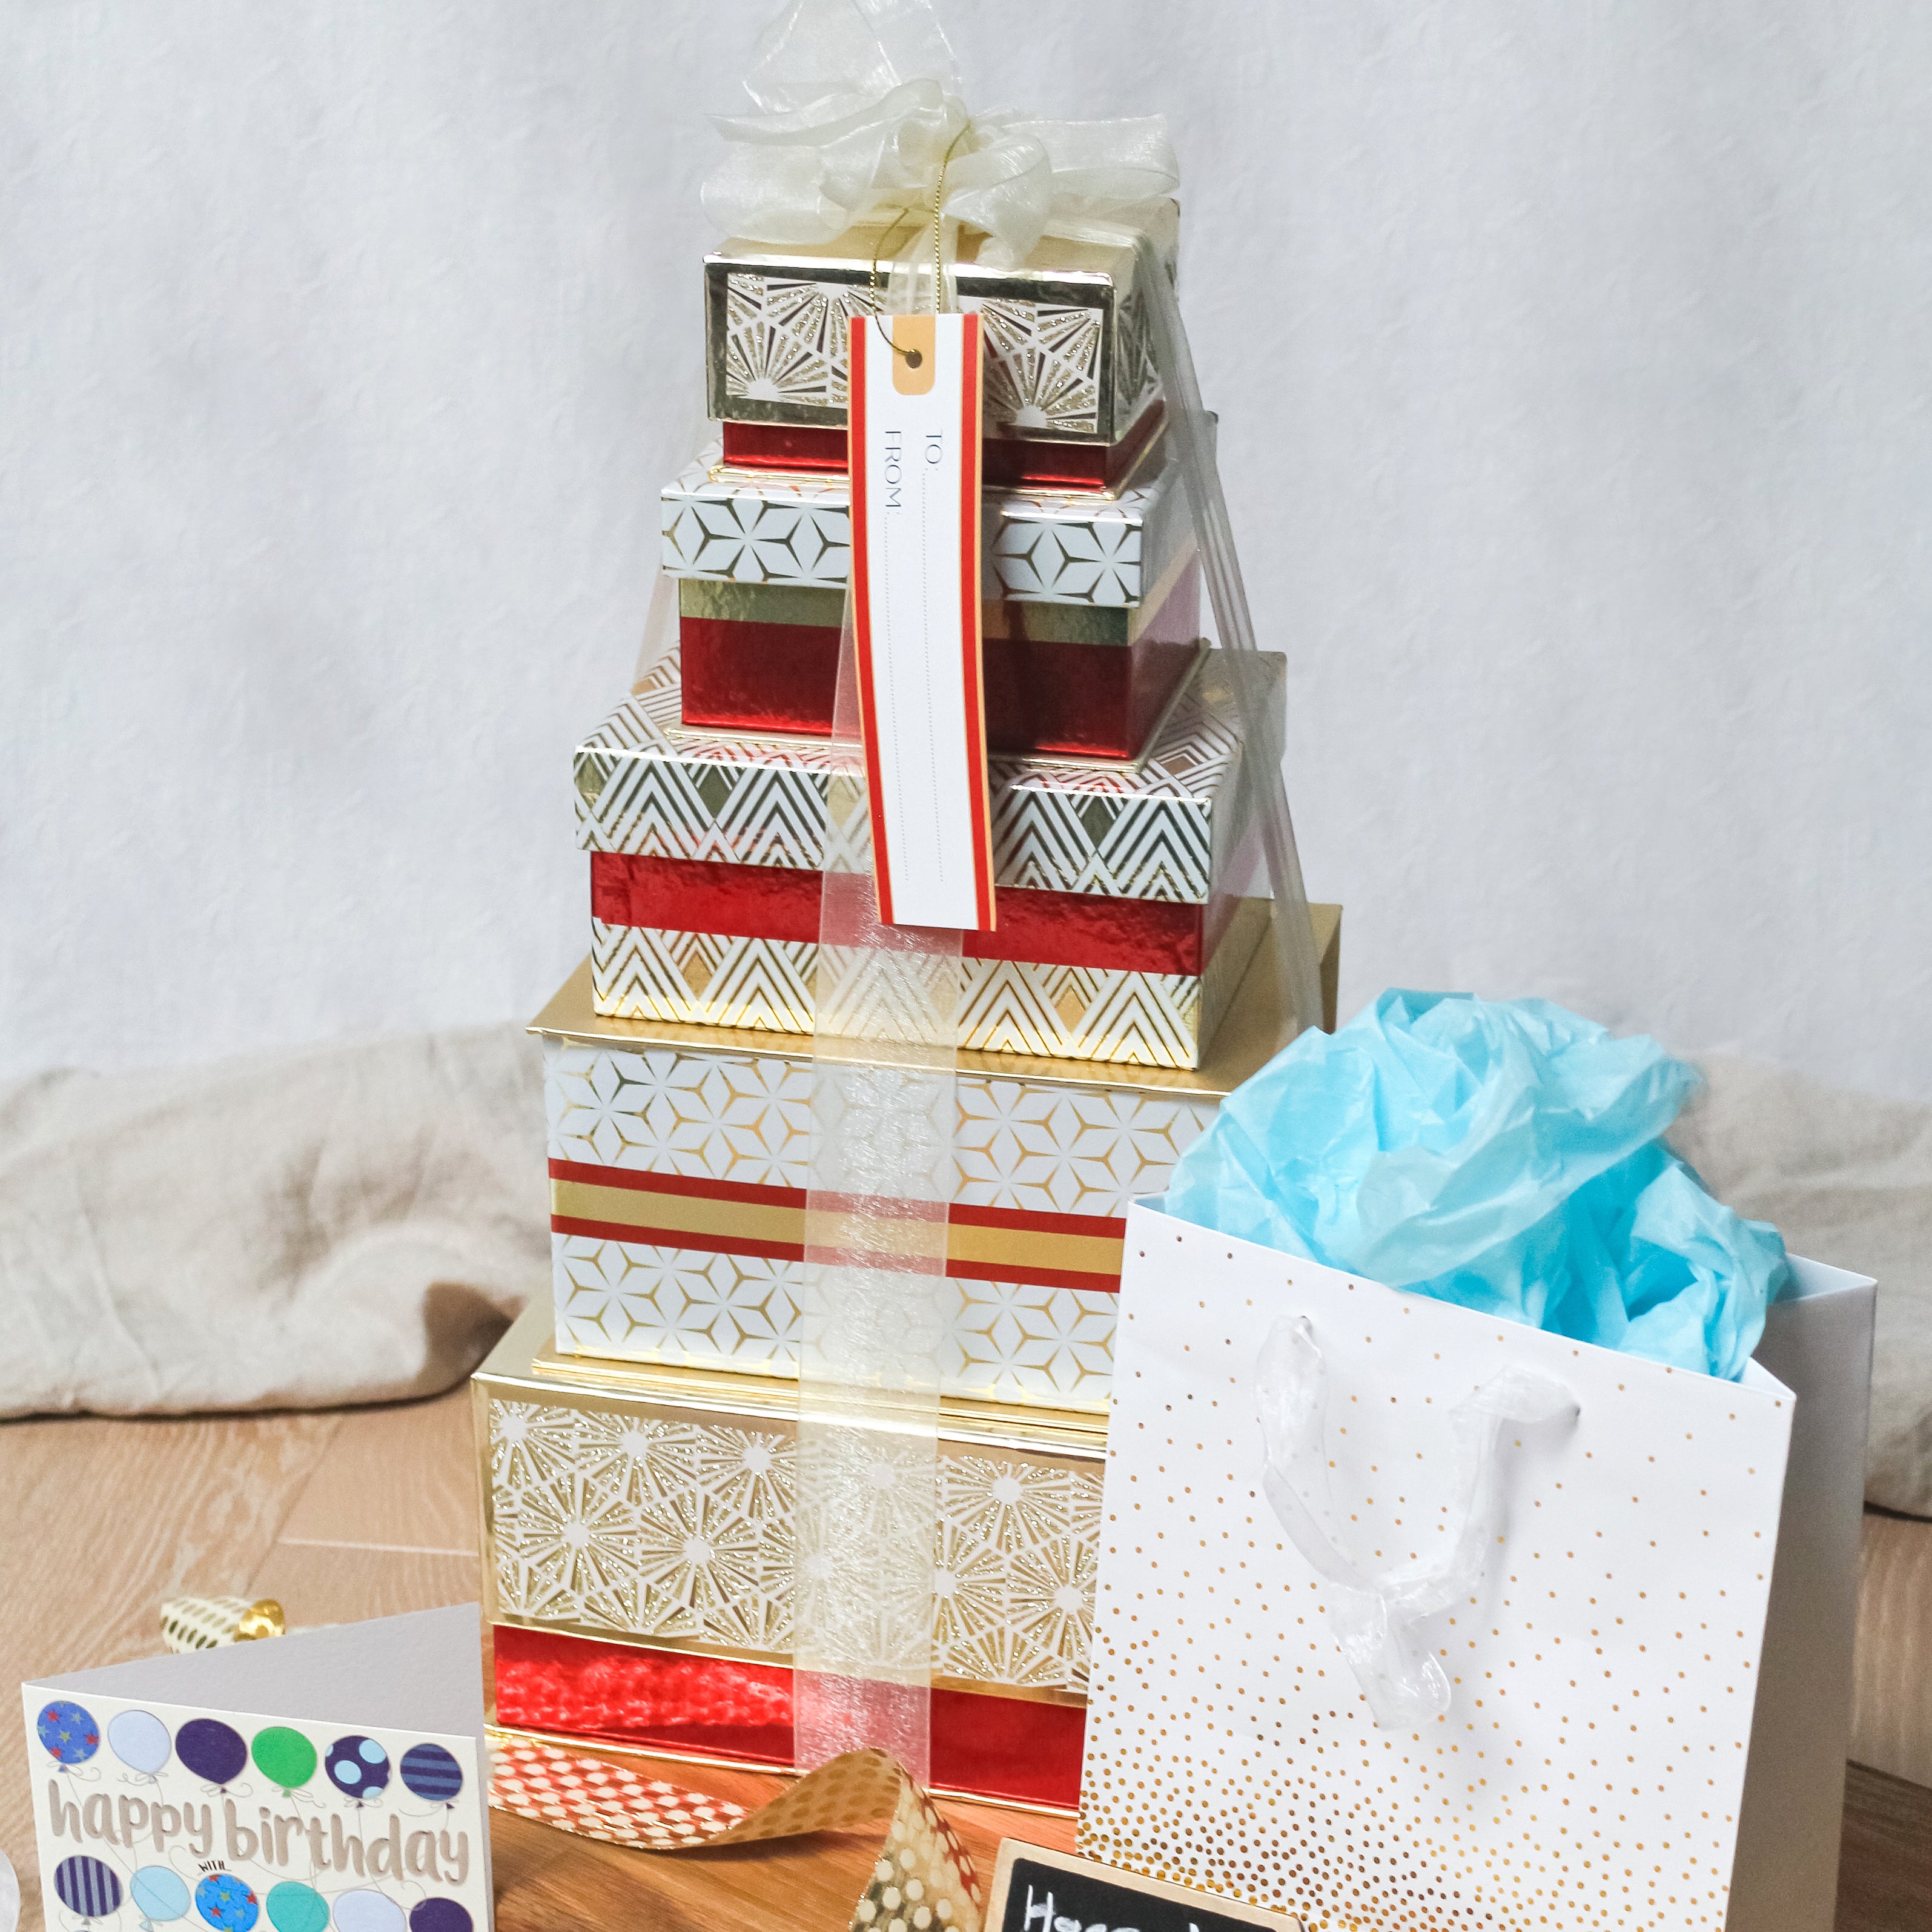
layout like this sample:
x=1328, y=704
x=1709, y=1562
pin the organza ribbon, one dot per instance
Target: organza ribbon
x=1376, y=1617
x=860, y=119
x=885, y=1004
x=860, y=122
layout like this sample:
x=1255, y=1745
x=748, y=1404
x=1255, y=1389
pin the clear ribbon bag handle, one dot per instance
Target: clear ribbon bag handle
x=1376, y=1616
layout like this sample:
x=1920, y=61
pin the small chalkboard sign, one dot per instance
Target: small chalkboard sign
x=1035, y=1890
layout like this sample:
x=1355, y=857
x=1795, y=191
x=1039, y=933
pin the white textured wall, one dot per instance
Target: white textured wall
x=1572, y=362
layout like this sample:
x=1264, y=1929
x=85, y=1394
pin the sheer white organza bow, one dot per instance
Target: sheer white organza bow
x=860, y=118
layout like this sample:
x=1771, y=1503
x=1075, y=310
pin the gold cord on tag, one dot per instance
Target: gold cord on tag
x=913, y=356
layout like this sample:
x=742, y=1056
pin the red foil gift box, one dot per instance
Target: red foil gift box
x=1006, y=462
x=1043, y=929
x=1064, y=680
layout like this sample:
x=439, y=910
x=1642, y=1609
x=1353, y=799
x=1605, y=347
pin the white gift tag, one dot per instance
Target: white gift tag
x=915, y=465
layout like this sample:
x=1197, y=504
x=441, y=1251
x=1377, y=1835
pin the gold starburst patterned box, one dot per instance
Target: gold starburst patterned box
x=637, y=1568
x=1068, y=357
x=679, y=1159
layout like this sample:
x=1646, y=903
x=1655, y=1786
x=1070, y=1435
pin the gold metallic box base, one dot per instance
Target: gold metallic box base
x=643, y=1504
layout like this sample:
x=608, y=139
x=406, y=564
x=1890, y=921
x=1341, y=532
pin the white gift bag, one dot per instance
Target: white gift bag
x=1408, y=1617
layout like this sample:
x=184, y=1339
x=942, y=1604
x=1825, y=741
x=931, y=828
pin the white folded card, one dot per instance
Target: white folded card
x=334, y=1777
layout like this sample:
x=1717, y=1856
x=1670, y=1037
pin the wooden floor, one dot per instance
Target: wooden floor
x=365, y=1512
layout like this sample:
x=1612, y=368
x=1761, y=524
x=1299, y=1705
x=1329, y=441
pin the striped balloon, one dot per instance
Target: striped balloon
x=87, y=1887
x=431, y=1773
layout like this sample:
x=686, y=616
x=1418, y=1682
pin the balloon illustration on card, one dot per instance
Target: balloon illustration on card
x=159, y=1894
x=86, y=1887
x=439, y=1915
x=363, y=1910
x=286, y=1804
x=68, y=1732
x=358, y=1767
x=214, y=1751
x=285, y=1758
x=140, y=1740
x=226, y=1902
x=431, y=1773
x=292, y=1907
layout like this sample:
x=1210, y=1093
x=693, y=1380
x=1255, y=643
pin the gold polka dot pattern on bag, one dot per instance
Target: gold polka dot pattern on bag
x=1588, y=1774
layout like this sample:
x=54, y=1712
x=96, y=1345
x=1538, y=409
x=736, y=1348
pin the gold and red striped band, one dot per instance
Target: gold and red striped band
x=737, y=1217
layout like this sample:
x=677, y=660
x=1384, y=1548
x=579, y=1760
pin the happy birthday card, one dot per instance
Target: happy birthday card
x=333, y=1778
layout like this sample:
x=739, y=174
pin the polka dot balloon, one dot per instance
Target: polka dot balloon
x=358, y=1767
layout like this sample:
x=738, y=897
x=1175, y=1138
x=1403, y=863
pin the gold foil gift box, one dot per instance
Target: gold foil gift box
x=1067, y=355
x=679, y=1160
x=638, y=1568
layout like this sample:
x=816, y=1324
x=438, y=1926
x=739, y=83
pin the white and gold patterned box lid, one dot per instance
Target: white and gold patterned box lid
x=1157, y=828
x=1250, y=1036
x=1009, y=1005
x=1068, y=359
x=526, y=1359
x=1038, y=545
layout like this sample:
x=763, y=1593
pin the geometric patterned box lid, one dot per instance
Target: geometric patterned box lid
x=1067, y=354
x=1156, y=829
x=1039, y=545
x=1253, y=1034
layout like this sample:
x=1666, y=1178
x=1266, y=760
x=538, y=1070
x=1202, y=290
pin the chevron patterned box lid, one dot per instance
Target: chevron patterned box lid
x=1068, y=359
x=1084, y=1011
x=1038, y=546
x=1158, y=828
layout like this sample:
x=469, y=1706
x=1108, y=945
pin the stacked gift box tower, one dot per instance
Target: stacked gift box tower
x=636, y=1438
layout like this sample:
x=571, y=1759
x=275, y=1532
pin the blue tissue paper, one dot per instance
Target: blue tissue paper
x=1505, y=1155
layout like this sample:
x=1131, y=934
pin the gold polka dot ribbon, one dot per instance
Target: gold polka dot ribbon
x=211, y=1623
x=922, y=1879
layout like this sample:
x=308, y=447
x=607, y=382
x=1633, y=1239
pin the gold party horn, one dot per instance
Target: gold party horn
x=207, y=1623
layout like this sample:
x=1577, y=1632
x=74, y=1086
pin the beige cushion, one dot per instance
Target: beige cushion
x=1847, y=1179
